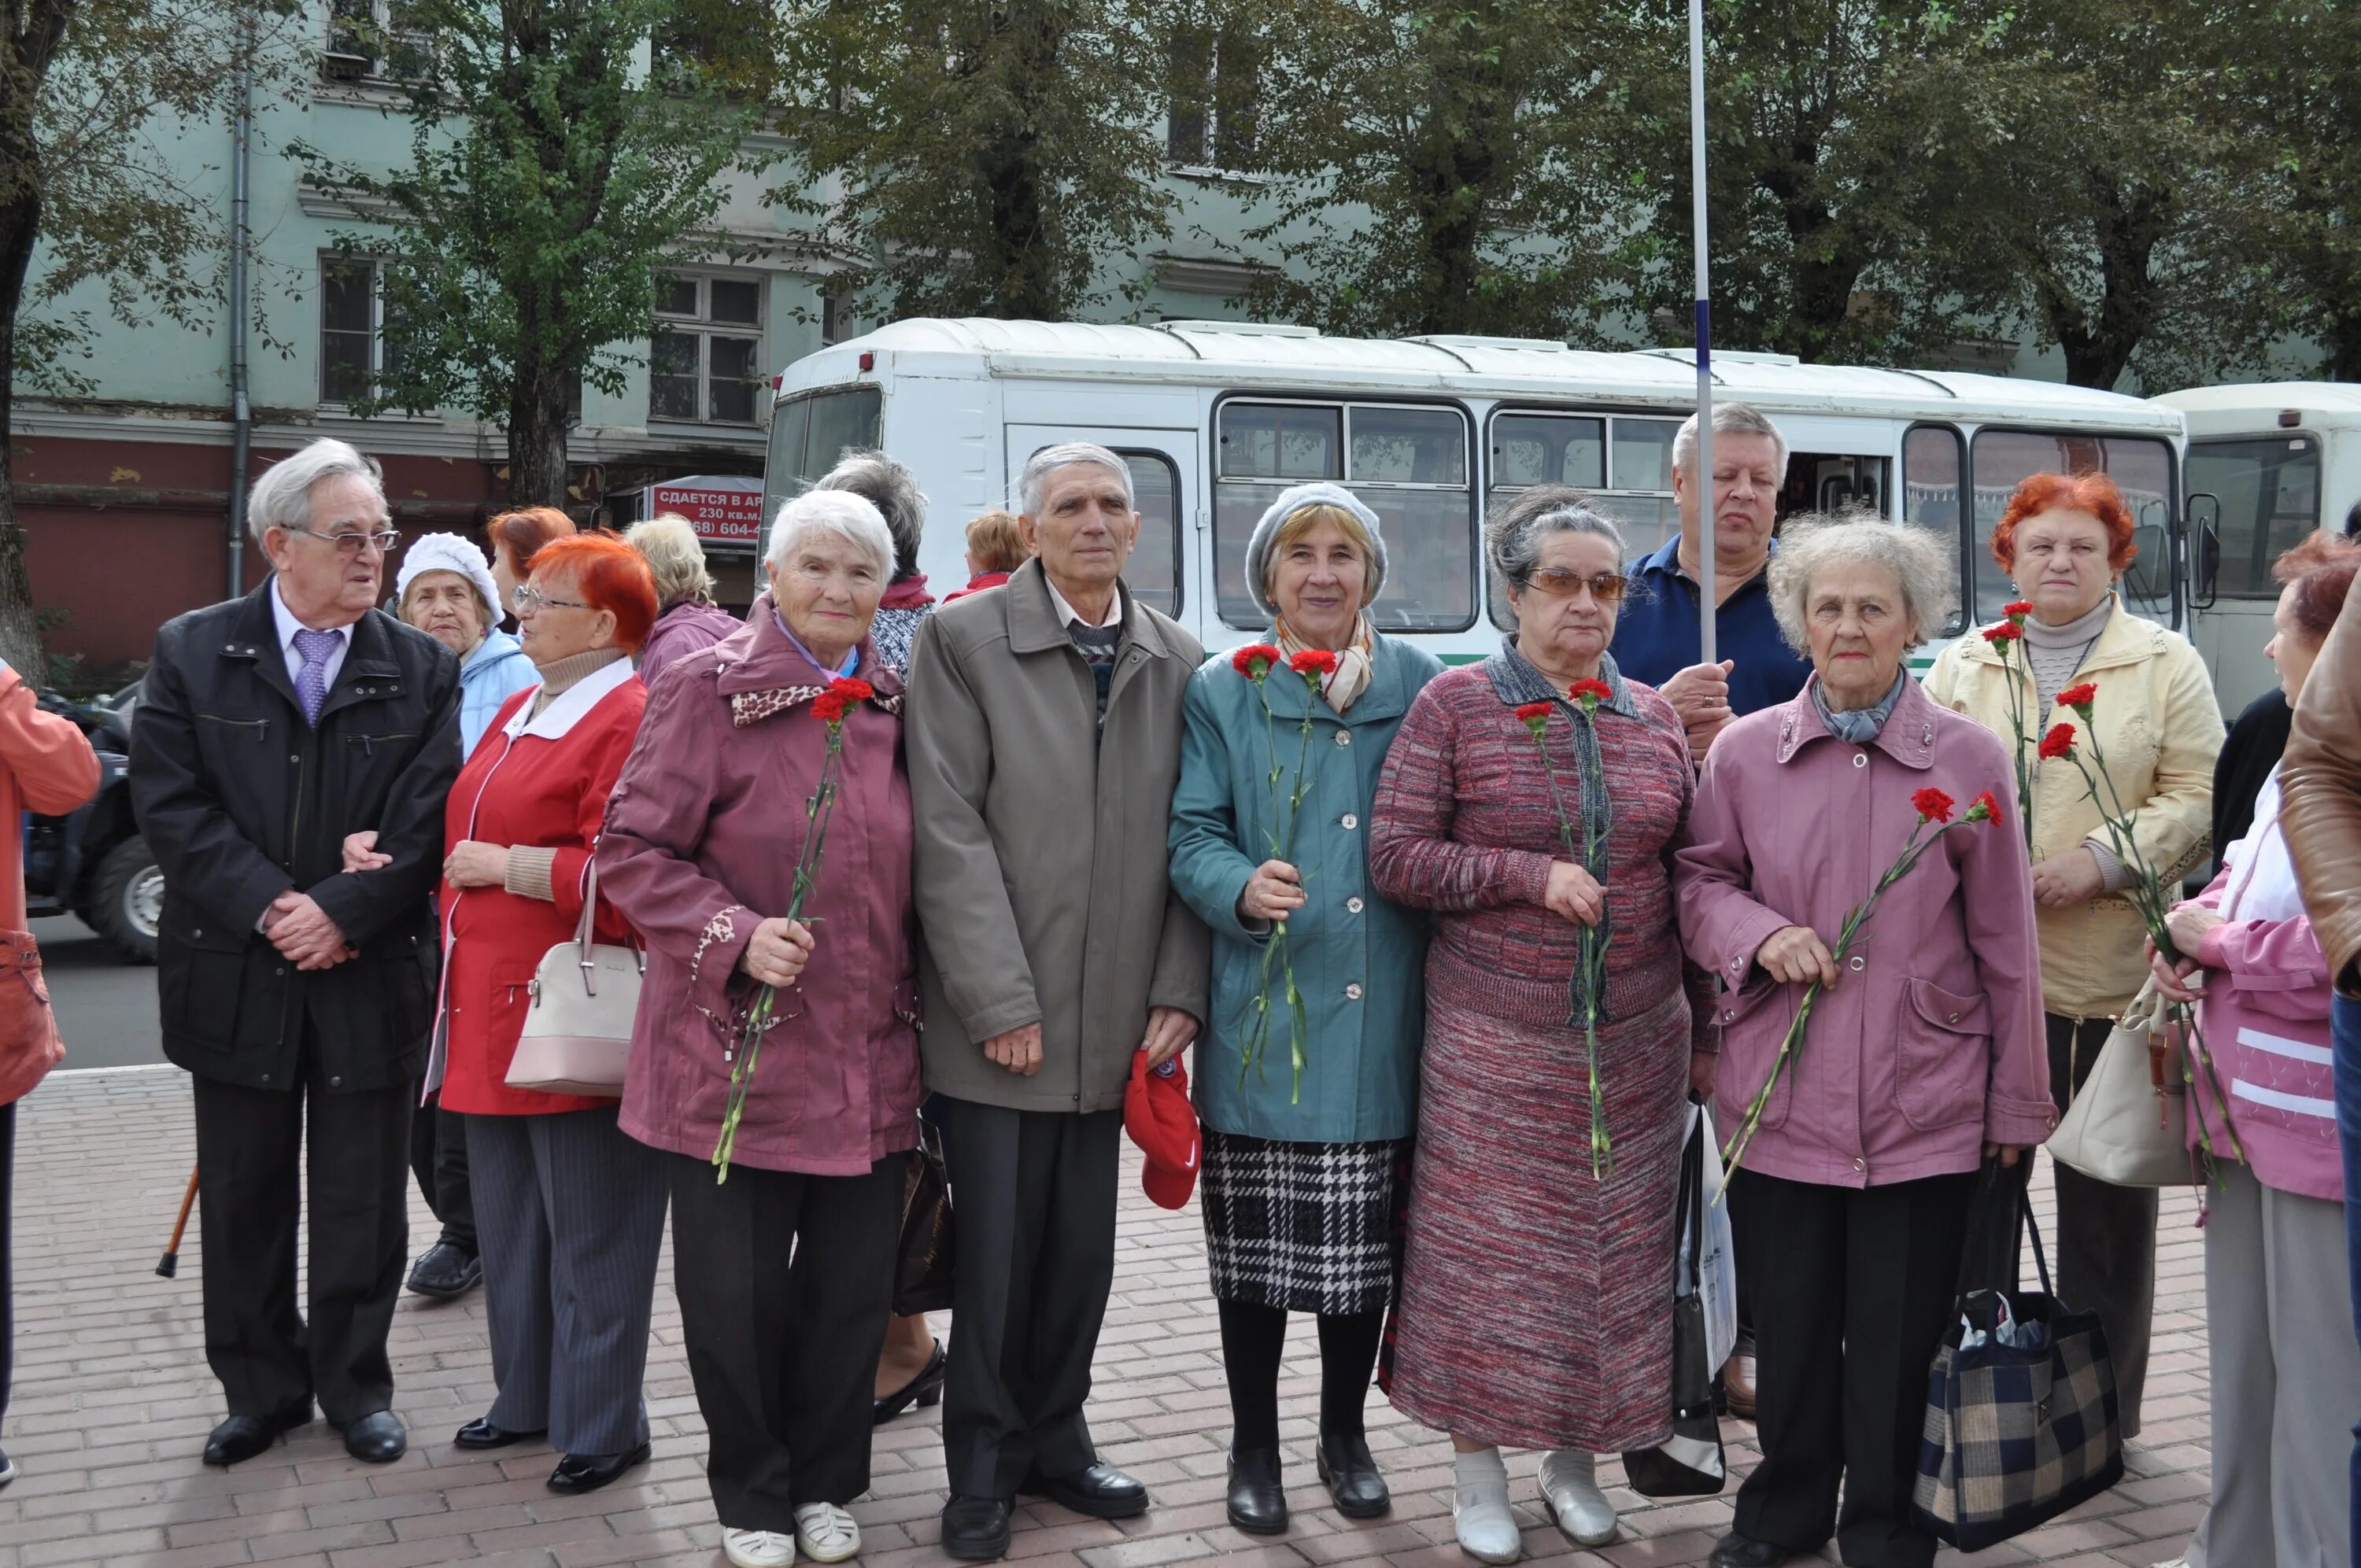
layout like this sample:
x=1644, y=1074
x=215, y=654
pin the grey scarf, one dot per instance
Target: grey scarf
x=1859, y=724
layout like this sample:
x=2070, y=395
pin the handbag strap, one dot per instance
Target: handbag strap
x=2033, y=1234
x=589, y=901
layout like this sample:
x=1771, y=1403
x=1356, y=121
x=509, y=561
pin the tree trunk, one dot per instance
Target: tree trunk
x=1021, y=249
x=20, y=634
x=537, y=410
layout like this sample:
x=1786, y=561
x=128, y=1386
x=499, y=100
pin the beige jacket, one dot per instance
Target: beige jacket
x=2320, y=796
x=2161, y=729
x=1039, y=859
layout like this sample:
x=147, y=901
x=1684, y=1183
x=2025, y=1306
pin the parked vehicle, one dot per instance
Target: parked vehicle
x=92, y=861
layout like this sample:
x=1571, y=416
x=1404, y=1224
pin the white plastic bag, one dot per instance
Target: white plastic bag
x=1717, y=1267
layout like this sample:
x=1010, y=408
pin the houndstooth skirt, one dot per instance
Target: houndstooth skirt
x=1304, y=1227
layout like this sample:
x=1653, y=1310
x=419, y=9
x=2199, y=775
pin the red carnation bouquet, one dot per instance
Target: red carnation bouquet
x=1256, y=663
x=842, y=696
x=1934, y=808
x=2007, y=639
x=1591, y=955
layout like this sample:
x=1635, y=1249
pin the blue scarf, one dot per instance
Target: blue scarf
x=1859, y=724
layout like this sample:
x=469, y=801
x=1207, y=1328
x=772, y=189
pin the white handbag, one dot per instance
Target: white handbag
x=2129, y=1124
x=578, y=1029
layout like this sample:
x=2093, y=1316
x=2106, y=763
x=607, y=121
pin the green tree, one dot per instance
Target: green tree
x=524, y=239
x=2297, y=83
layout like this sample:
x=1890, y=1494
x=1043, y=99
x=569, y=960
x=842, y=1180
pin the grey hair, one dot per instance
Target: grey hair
x=1923, y=562
x=1065, y=454
x=1512, y=540
x=893, y=489
x=282, y=496
x=672, y=552
x=839, y=512
x=1728, y=419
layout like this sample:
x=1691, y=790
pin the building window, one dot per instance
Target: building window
x=706, y=364
x=353, y=353
x=377, y=41
x=836, y=321
x=1212, y=115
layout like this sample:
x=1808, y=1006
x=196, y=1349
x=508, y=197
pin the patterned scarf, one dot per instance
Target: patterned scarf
x=1858, y=725
x=1354, y=669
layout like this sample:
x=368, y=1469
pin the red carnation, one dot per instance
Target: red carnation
x=1932, y=805
x=1536, y=716
x=1591, y=692
x=1313, y=662
x=1254, y=661
x=851, y=689
x=830, y=705
x=1985, y=807
x=2058, y=743
x=2080, y=698
x=2018, y=610
x=2006, y=631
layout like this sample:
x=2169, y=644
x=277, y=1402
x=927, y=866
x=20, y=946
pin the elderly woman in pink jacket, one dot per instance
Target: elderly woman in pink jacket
x=1925, y=1052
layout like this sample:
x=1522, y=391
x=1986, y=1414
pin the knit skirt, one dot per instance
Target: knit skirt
x=1304, y=1227
x=1537, y=1301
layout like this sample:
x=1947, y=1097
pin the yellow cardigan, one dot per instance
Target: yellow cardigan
x=2160, y=728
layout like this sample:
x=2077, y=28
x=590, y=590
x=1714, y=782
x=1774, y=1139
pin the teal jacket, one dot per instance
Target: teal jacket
x=1359, y=961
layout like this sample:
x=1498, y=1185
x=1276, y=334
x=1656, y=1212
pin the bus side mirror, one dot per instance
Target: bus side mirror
x=2205, y=547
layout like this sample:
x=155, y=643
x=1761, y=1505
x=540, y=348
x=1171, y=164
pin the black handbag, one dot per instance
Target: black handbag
x=2024, y=1424
x=922, y=1261
x=1690, y=1464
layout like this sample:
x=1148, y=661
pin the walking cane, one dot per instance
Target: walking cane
x=170, y=1264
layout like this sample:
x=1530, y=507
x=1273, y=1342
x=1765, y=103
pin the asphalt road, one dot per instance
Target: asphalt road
x=105, y=1007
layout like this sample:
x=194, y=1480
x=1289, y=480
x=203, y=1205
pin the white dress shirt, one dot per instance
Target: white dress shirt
x=289, y=626
x=1068, y=614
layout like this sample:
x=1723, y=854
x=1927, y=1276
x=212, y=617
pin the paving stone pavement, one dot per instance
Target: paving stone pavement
x=113, y=1401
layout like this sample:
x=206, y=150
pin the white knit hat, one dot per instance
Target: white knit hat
x=449, y=552
x=1290, y=502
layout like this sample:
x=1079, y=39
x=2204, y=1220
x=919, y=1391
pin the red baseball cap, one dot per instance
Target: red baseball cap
x=1158, y=1115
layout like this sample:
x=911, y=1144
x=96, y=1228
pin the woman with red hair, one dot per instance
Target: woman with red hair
x=516, y=537
x=2065, y=539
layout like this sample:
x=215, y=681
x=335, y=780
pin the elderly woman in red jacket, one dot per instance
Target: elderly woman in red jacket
x=785, y=1270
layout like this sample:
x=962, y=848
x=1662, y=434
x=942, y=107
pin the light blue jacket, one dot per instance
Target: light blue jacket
x=1359, y=961
x=494, y=673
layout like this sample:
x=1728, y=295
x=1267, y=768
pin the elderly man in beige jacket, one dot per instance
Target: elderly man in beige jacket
x=1044, y=733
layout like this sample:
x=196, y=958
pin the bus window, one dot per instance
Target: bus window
x=1644, y=453
x=809, y=431
x=2269, y=490
x=1532, y=448
x=1153, y=573
x=2141, y=467
x=1548, y=449
x=1280, y=441
x=1932, y=458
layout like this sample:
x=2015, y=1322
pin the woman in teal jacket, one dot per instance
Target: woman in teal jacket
x=1301, y=1129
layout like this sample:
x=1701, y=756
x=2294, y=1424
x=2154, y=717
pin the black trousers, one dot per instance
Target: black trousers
x=249, y=1198
x=1034, y=1193
x=784, y=1284
x=438, y=1158
x=7, y=1281
x=1852, y=1290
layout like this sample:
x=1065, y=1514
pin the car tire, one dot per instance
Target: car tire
x=127, y=899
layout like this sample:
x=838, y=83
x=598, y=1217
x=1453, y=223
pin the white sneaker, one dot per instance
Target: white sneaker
x=826, y=1532
x=1480, y=1508
x=758, y=1548
x=1570, y=1486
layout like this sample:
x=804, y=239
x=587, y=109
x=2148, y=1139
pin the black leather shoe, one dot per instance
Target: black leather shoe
x=926, y=1388
x=1097, y=1489
x=588, y=1472
x=1736, y=1551
x=444, y=1271
x=976, y=1529
x=377, y=1438
x=1354, y=1479
x=1258, y=1500
x=481, y=1433
x=240, y=1438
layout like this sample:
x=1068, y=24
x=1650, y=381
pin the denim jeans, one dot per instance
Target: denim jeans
x=2345, y=1017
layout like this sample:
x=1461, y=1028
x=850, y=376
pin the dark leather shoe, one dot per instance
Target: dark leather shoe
x=1097, y=1489
x=481, y=1433
x=377, y=1438
x=444, y=1271
x=976, y=1529
x=926, y=1388
x=1354, y=1479
x=588, y=1472
x=1736, y=1551
x=240, y=1438
x=1258, y=1500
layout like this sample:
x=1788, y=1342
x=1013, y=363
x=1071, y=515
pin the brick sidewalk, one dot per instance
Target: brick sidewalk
x=113, y=1401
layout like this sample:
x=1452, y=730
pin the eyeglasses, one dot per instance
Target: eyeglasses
x=529, y=600
x=1561, y=582
x=350, y=543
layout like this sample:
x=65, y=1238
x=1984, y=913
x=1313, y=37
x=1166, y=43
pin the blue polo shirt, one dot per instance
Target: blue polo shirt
x=1656, y=635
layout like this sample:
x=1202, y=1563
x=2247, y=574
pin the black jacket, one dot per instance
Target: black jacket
x=241, y=800
x=2248, y=753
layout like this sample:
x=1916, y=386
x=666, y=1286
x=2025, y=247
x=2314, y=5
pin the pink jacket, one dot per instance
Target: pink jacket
x=1932, y=1043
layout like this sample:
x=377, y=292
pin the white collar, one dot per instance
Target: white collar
x=1068, y=614
x=284, y=618
x=570, y=705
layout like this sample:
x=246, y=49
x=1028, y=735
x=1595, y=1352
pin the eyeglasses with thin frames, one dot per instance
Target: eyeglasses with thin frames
x=1562, y=582
x=349, y=542
x=529, y=601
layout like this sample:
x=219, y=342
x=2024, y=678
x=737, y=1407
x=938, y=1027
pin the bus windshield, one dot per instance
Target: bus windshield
x=2269, y=492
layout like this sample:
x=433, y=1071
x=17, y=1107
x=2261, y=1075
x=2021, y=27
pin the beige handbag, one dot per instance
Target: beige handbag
x=577, y=1030
x=2129, y=1124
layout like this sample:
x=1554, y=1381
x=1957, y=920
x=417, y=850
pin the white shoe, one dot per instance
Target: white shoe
x=826, y=1532
x=1570, y=1486
x=758, y=1548
x=1480, y=1508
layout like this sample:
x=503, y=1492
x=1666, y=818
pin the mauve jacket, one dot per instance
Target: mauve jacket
x=701, y=845
x=1932, y=1043
x=682, y=630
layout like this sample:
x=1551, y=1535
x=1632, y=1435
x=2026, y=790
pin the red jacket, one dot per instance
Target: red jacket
x=545, y=783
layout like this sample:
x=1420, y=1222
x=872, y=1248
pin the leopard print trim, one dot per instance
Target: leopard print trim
x=753, y=708
x=720, y=929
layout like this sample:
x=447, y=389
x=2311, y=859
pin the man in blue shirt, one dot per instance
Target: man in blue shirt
x=1657, y=637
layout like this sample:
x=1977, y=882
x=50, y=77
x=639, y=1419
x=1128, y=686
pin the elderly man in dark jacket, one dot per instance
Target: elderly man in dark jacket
x=1044, y=737
x=272, y=726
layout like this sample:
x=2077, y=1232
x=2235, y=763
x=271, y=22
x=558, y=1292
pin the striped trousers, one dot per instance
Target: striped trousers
x=570, y=1215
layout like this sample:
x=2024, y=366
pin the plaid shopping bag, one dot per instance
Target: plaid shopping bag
x=2016, y=1433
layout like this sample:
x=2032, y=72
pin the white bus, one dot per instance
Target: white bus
x=1216, y=418
x=2268, y=464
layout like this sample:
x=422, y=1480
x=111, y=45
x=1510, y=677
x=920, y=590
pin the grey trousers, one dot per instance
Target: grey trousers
x=2286, y=1379
x=570, y=1213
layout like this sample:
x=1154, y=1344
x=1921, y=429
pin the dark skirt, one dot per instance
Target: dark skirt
x=1303, y=1227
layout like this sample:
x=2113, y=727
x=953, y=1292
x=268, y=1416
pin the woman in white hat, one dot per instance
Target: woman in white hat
x=445, y=589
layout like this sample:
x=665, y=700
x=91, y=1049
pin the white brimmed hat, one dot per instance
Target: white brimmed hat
x=448, y=553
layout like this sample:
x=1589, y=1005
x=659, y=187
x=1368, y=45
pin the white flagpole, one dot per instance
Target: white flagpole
x=1709, y=605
